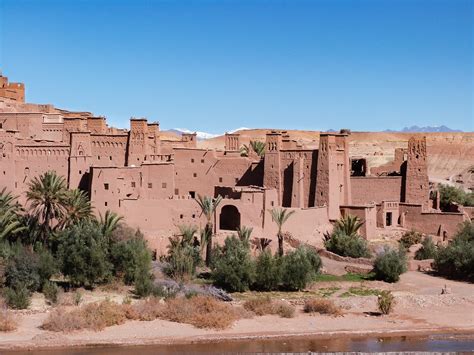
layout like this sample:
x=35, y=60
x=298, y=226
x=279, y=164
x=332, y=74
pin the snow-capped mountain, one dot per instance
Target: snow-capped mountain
x=426, y=129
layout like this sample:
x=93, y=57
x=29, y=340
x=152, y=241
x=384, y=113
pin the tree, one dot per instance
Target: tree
x=280, y=216
x=109, y=222
x=454, y=195
x=208, y=208
x=257, y=146
x=244, y=233
x=46, y=195
x=77, y=207
x=10, y=222
x=349, y=225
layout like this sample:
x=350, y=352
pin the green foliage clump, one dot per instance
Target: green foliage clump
x=83, y=252
x=451, y=194
x=427, y=251
x=234, y=270
x=267, y=275
x=385, y=302
x=51, y=292
x=129, y=257
x=342, y=244
x=456, y=260
x=298, y=268
x=22, y=270
x=410, y=238
x=17, y=297
x=390, y=264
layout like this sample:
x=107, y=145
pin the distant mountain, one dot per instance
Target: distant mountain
x=426, y=129
x=201, y=135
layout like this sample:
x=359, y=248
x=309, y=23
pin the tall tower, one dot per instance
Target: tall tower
x=80, y=156
x=272, y=163
x=137, y=141
x=417, y=188
x=333, y=187
x=232, y=142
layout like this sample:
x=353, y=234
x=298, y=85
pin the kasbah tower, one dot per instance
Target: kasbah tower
x=152, y=180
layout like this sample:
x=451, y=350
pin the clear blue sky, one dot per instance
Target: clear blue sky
x=218, y=65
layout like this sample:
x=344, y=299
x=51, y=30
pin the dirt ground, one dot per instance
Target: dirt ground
x=420, y=309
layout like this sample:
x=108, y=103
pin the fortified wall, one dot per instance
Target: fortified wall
x=153, y=181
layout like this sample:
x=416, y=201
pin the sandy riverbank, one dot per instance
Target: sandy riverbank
x=421, y=310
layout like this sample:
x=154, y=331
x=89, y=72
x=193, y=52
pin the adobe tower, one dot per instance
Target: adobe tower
x=417, y=188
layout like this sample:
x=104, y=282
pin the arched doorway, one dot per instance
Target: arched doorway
x=229, y=218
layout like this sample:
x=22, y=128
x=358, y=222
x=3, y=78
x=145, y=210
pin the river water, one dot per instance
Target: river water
x=438, y=343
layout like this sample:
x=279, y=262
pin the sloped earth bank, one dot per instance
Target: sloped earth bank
x=420, y=309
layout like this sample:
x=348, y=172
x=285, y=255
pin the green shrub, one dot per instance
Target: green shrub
x=51, y=292
x=314, y=260
x=47, y=265
x=83, y=252
x=427, y=251
x=385, y=302
x=234, y=270
x=390, y=264
x=22, y=270
x=77, y=297
x=296, y=270
x=452, y=194
x=456, y=261
x=181, y=263
x=267, y=275
x=128, y=256
x=410, y=238
x=353, y=246
x=17, y=297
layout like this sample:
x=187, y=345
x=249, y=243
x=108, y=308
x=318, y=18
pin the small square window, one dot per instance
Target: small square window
x=181, y=216
x=192, y=194
x=163, y=185
x=110, y=157
x=176, y=191
x=220, y=179
x=272, y=203
x=106, y=186
x=236, y=180
x=132, y=183
x=195, y=175
x=150, y=185
x=202, y=161
x=194, y=216
x=98, y=157
x=192, y=160
x=105, y=203
x=80, y=172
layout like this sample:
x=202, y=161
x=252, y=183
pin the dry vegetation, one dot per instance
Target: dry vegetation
x=7, y=323
x=199, y=311
x=265, y=305
x=322, y=306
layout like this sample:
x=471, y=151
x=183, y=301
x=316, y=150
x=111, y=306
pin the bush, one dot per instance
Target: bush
x=234, y=270
x=47, y=265
x=389, y=265
x=128, y=257
x=265, y=305
x=321, y=306
x=51, y=292
x=143, y=283
x=17, y=297
x=267, y=276
x=353, y=246
x=410, y=238
x=452, y=194
x=83, y=252
x=456, y=261
x=385, y=302
x=296, y=269
x=94, y=316
x=181, y=263
x=22, y=270
x=7, y=323
x=427, y=251
x=200, y=311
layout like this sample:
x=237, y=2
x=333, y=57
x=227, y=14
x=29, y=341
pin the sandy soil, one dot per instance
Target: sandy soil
x=420, y=309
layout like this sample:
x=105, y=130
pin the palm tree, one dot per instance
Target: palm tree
x=46, y=196
x=109, y=222
x=280, y=216
x=208, y=208
x=244, y=233
x=10, y=222
x=257, y=146
x=187, y=234
x=349, y=225
x=77, y=207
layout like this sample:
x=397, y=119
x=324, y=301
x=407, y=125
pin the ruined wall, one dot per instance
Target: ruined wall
x=375, y=189
x=272, y=164
x=367, y=214
x=440, y=224
x=12, y=91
